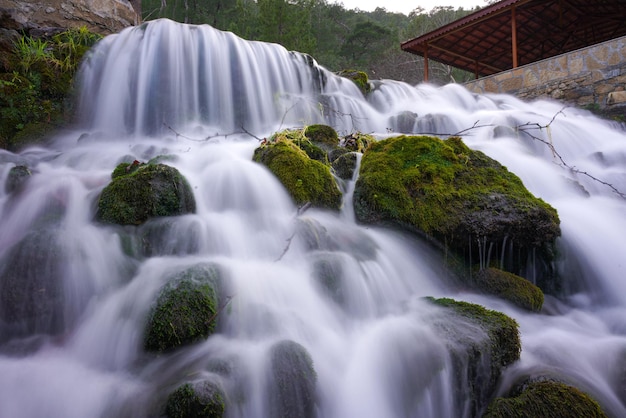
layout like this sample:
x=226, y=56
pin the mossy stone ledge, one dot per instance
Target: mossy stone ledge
x=141, y=191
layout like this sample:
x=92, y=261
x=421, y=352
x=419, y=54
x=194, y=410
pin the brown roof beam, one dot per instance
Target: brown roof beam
x=463, y=58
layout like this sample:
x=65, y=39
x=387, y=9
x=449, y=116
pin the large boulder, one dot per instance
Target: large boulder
x=40, y=17
x=481, y=343
x=458, y=198
x=185, y=311
x=139, y=192
x=545, y=399
x=307, y=180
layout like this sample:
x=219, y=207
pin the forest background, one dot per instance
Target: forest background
x=337, y=38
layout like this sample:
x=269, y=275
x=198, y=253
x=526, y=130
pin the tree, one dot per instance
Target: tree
x=367, y=41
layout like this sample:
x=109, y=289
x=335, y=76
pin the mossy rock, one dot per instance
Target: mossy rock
x=453, y=196
x=292, y=383
x=17, y=178
x=185, y=311
x=204, y=399
x=477, y=359
x=323, y=136
x=306, y=180
x=139, y=192
x=511, y=287
x=359, y=78
x=545, y=399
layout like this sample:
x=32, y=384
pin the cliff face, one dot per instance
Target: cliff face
x=49, y=16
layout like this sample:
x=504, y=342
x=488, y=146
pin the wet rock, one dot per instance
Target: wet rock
x=511, y=287
x=203, y=399
x=292, y=385
x=306, y=180
x=18, y=175
x=543, y=399
x=185, y=310
x=481, y=343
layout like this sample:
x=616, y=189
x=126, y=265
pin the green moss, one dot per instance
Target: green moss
x=185, y=310
x=198, y=400
x=359, y=78
x=511, y=287
x=305, y=179
x=139, y=191
x=546, y=399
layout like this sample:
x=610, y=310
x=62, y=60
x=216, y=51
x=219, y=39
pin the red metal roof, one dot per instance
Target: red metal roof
x=482, y=41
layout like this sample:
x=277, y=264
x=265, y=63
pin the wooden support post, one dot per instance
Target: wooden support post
x=514, y=36
x=425, y=62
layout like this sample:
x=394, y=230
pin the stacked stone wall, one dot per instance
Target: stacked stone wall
x=592, y=77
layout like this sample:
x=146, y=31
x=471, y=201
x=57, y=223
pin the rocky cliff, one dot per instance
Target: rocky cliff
x=47, y=17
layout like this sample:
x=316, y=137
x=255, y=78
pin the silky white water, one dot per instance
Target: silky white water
x=207, y=98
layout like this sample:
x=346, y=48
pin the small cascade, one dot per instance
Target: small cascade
x=318, y=316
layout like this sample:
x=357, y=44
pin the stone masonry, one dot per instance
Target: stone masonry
x=592, y=77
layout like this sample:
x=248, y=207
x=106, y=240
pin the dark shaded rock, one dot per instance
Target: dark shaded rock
x=185, y=311
x=139, y=192
x=204, y=399
x=292, y=386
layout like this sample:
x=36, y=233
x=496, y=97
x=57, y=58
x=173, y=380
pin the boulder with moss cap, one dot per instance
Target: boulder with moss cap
x=140, y=191
x=305, y=179
x=458, y=198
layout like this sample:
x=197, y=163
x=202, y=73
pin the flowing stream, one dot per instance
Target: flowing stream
x=206, y=98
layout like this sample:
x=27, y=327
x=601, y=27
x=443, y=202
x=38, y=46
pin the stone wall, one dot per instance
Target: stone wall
x=592, y=77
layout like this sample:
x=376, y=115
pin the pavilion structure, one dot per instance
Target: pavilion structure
x=512, y=33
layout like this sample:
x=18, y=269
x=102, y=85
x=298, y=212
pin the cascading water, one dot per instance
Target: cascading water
x=206, y=98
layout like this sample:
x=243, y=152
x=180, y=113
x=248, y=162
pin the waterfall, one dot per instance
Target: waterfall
x=205, y=99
